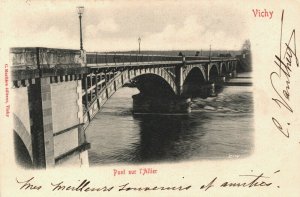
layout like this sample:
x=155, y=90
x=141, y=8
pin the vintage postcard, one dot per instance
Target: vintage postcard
x=149, y=98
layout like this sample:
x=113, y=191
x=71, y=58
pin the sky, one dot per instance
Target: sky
x=117, y=25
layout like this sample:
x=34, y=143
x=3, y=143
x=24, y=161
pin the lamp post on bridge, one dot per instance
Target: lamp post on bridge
x=139, y=40
x=210, y=53
x=80, y=11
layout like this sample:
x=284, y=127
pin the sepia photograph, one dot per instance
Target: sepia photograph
x=167, y=96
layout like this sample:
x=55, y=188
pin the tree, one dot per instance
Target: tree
x=246, y=46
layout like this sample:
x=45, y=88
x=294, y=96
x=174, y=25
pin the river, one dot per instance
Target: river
x=217, y=128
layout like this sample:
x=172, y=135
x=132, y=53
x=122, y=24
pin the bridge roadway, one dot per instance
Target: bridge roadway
x=62, y=90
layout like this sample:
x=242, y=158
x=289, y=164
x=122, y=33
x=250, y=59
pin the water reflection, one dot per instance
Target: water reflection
x=163, y=136
x=217, y=128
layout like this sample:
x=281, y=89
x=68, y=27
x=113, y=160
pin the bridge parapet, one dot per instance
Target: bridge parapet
x=108, y=59
x=30, y=63
x=117, y=58
x=32, y=58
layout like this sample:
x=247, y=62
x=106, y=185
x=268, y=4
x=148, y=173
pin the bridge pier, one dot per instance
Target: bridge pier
x=147, y=104
x=234, y=73
x=179, y=76
x=40, y=113
x=222, y=79
x=212, y=90
x=47, y=110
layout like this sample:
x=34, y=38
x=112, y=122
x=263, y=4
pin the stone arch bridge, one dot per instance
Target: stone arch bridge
x=57, y=93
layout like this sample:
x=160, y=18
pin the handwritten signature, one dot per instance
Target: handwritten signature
x=285, y=63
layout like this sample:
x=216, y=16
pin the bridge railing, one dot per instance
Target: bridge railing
x=109, y=58
x=122, y=58
x=193, y=58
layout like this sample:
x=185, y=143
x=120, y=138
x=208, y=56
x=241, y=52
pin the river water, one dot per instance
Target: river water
x=217, y=128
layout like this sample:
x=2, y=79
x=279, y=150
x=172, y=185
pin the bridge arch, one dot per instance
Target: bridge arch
x=213, y=71
x=230, y=65
x=22, y=140
x=153, y=85
x=223, y=69
x=191, y=67
x=233, y=65
x=126, y=76
x=22, y=155
x=194, y=81
x=122, y=78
